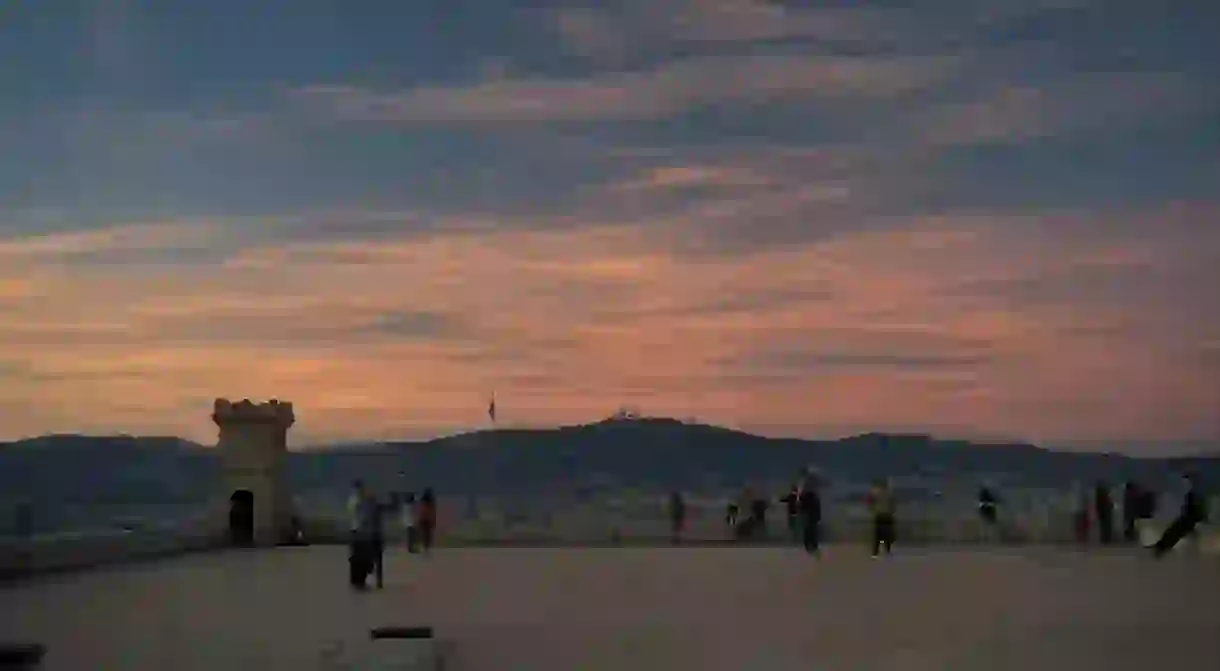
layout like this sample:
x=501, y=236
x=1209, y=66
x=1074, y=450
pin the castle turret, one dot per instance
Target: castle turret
x=253, y=444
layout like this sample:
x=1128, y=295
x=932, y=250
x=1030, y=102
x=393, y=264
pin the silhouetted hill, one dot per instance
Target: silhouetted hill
x=85, y=477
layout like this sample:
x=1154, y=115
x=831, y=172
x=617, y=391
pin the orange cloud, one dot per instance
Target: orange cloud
x=871, y=330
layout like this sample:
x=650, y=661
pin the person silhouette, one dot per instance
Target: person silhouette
x=1105, y=513
x=989, y=510
x=677, y=516
x=881, y=504
x=427, y=520
x=809, y=504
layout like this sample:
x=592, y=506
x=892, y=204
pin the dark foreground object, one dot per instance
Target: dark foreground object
x=1183, y=526
x=400, y=633
x=17, y=656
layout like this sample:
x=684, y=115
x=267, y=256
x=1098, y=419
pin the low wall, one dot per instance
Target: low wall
x=23, y=558
x=645, y=529
x=20, y=558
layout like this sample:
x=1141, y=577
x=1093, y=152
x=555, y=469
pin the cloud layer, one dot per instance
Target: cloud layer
x=788, y=219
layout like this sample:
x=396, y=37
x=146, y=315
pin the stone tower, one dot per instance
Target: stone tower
x=253, y=444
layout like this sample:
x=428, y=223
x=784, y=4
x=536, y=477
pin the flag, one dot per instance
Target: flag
x=491, y=410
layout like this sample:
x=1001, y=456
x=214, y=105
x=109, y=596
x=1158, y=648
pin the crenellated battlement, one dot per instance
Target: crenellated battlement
x=244, y=411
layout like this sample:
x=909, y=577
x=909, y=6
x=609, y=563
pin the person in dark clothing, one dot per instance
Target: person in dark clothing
x=809, y=504
x=427, y=520
x=730, y=518
x=376, y=539
x=677, y=516
x=1194, y=511
x=758, y=517
x=881, y=504
x=1104, y=507
x=989, y=506
x=1081, y=516
x=1133, y=500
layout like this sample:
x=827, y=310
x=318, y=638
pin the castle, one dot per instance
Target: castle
x=253, y=443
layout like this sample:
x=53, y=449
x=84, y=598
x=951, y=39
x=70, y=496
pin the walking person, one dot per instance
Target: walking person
x=744, y=528
x=881, y=504
x=677, y=516
x=427, y=520
x=1193, y=512
x=1105, y=513
x=792, y=506
x=376, y=512
x=809, y=505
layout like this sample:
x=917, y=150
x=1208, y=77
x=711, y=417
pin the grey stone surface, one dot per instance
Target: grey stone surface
x=705, y=608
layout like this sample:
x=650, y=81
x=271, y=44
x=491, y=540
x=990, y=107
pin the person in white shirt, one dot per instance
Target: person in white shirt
x=354, y=503
x=359, y=542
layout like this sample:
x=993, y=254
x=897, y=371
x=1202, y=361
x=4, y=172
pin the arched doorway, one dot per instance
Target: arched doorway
x=241, y=518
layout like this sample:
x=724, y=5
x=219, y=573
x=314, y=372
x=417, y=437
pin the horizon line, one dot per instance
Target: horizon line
x=1201, y=448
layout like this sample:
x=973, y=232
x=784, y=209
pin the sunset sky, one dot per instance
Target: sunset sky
x=975, y=219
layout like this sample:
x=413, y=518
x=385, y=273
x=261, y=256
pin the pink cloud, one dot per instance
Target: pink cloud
x=408, y=336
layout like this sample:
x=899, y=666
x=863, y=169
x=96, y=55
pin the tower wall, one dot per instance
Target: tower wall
x=253, y=443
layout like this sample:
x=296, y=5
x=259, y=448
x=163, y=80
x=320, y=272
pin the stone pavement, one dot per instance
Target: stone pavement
x=661, y=608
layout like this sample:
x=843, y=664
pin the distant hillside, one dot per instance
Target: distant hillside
x=74, y=478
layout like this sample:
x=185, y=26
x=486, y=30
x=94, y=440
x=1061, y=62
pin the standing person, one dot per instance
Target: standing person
x=881, y=504
x=677, y=516
x=1081, y=516
x=1105, y=513
x=730, y=518
x=758, y=517
x=427, y=520
x=989, y=511
x=1194, y=511
x=376, y=538
x=357, y=555
x=745, y=520
x=792, y=506
x=407, y=517
x=1132, y=502
x=810, y=508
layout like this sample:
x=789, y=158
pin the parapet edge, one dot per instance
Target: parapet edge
x=225, y=411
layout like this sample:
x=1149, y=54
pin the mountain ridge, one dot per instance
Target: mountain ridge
x=77, y=480
x=902, y=439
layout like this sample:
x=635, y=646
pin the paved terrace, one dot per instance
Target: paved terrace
x=661, y=608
